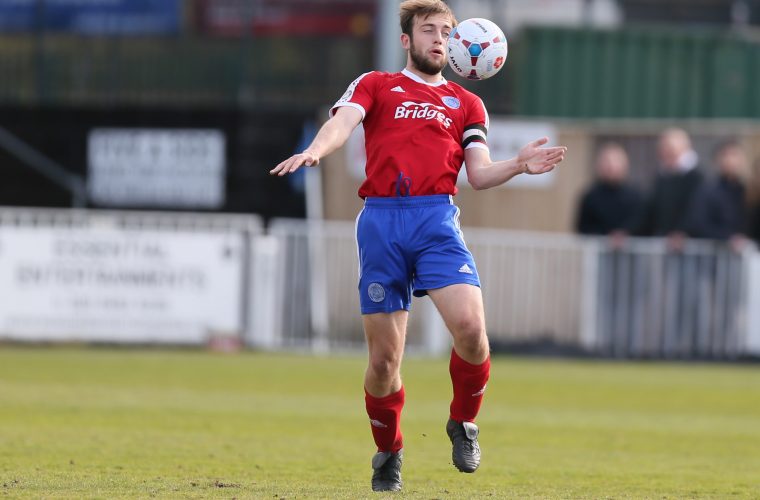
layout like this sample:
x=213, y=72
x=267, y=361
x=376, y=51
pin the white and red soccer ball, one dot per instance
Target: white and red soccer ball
x=477, y=49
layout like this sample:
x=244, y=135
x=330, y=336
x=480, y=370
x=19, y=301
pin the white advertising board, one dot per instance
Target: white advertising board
x=505, y=138
x=116, y=285
x=156, y=167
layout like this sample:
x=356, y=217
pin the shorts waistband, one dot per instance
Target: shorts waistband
x=408, y=201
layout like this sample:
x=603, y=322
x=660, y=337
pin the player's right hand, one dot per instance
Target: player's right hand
x=295, y=162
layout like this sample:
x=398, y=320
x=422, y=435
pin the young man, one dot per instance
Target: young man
x=611, y=204
x=666, y=211
x=419, y=128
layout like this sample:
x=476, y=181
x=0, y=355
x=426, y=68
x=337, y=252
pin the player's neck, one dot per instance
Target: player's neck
x=424, y=76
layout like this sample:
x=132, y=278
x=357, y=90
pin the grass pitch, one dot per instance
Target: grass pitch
x=102, y=423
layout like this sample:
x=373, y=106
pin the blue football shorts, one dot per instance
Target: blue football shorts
x=409, y=245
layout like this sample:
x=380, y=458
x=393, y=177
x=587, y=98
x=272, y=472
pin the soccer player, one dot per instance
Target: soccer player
x=419, y=128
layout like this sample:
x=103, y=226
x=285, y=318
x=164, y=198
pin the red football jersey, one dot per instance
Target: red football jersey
x=415, y=132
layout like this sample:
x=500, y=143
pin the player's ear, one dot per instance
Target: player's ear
x=405, y=41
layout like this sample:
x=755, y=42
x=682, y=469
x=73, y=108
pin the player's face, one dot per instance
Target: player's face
x=427, y=45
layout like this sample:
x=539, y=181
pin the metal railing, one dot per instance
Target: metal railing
x=542, y=290
x=45, y=166
x=689, y=304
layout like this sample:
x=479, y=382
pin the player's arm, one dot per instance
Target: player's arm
x=333, y=134
x=533, y=159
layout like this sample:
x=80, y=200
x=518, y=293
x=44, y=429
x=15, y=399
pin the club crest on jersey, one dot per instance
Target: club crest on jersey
x=349, y=93
x=451, y=102
x=422, y=111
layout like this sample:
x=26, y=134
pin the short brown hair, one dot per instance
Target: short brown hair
x=422, y=8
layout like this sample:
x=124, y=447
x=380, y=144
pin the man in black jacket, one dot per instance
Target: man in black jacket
x=718, y=213
x=753, y=224
x=610, y=204
x=666, y=212
x=608, y=208
x=673, y=299
x=718, y=210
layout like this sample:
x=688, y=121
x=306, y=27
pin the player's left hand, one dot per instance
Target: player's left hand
x=536, y=159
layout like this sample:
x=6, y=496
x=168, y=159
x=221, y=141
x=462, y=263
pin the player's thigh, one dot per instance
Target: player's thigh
x=461, y=307
x=443, y=258
x=386, y=333
x=384, y=274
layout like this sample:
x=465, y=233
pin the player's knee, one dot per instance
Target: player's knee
x=470, y=327
x=385, y=367
x=470, y=333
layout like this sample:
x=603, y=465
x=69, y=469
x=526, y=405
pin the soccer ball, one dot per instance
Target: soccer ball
x=477, y=49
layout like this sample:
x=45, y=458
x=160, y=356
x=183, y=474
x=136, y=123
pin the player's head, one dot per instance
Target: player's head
x=612, y=163
x=425, y=26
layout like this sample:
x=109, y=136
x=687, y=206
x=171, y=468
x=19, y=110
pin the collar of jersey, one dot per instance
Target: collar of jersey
x=417, y=79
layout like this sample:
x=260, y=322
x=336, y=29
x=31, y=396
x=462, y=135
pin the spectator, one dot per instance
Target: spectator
x=666, y=212
x=718, y=210
x=610, y=204
x=754, y=217
x=718, y=213
x=608, y=208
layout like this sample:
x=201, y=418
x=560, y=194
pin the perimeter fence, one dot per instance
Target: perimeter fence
x=130, y=277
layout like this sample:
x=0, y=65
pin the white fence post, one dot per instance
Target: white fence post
x=320, y=321
x=436, y=337
x=752, y=340
x=589, y=334
x=264, y=328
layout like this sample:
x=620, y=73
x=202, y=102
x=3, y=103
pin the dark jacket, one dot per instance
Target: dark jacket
x=667, y=208
x=754, y=223
x=718, y=210
x=607, y=207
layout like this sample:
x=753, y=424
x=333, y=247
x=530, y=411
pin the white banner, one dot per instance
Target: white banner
x=156, y=168
x=118, y=285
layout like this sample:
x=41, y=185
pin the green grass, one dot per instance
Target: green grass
x=103, y=423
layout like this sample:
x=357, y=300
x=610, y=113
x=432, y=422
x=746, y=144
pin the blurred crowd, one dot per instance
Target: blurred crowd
x=689, y=198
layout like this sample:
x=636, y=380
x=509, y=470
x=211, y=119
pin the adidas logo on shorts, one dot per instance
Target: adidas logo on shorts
x=465, y=269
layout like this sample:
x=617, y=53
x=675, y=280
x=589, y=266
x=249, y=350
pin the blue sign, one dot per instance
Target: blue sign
x=92, y=17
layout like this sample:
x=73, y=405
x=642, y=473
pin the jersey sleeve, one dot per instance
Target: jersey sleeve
x=476, y=125
x=358, y=95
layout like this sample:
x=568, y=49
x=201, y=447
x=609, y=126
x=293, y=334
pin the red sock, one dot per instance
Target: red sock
x=469, y=382
x=385, y=418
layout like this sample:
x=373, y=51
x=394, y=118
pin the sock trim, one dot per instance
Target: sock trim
x=391, y=399
x=467, y=365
